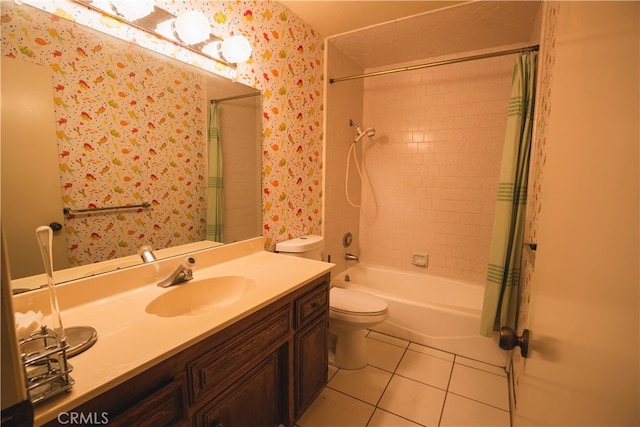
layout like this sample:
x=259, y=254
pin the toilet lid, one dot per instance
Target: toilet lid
x=355, y=302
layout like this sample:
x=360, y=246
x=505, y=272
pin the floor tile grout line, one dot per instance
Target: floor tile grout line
x=483, y=370
x=405, y=349
x=504, y=368
x=375, y=407
x=351, y=396
x=394, y=374
x=391, y=377
x=420, y=382
x=409, y=342
x=387, y=342
x=446, y=392
x=478, y=401
x=395, y=415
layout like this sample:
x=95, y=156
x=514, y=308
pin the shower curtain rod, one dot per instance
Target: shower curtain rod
x=230, y=98
x=437, y=63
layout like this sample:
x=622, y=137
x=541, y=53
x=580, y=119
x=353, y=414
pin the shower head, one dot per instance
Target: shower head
x=370, y=132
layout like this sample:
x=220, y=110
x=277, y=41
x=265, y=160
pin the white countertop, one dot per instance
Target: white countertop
x=131, y=340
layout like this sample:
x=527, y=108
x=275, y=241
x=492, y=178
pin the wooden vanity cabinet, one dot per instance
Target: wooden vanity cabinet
x=263, y=370
x=310, y=347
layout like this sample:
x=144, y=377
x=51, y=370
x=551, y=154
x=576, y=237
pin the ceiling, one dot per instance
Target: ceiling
x=331, y=17
x=419, y=29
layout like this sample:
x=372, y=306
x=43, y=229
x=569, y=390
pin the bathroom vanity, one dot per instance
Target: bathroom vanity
x=256, y=355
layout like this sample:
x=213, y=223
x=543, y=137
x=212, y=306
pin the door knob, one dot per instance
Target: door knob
x=55, y=226
x=509, y=340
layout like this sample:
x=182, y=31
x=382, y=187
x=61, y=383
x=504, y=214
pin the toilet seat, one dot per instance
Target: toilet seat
x=355, y=303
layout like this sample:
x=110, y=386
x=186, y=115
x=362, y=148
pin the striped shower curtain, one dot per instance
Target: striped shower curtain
x=501, y=290
x=215, y=182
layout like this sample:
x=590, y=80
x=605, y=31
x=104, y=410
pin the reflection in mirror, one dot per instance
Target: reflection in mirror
x=126, y=127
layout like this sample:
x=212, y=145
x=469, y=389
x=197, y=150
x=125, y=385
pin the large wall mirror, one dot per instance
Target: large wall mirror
x=120, y=137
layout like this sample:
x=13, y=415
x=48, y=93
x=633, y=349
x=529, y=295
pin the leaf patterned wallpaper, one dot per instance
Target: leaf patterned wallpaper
x=551, y=11
x=154, y=151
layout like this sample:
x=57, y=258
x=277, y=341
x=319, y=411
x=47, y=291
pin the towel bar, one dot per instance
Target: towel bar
x=70, y=212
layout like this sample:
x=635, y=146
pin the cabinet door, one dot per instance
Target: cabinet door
x=257, y=399
x=225, y=362
x=311, y=361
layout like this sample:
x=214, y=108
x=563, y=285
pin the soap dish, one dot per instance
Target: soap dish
x=80, y=338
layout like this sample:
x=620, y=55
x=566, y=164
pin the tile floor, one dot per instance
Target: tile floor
x=406, y=384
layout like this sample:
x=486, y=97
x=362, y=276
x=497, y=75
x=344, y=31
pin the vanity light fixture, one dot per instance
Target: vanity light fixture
x=190, y=30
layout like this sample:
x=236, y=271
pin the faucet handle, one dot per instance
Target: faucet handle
x=187, y=265
x=182, y=274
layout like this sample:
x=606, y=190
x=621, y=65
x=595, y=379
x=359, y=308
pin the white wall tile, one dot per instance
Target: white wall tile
x=434, y=165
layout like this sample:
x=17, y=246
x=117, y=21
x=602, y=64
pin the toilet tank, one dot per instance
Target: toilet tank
x=309, y=246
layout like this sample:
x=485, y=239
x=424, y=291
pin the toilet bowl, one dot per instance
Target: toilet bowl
x=351, y=313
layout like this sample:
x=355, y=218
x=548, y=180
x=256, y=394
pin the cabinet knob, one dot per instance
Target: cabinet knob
x=315, y=305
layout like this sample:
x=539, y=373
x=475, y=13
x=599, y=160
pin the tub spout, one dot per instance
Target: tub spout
x=351, y=257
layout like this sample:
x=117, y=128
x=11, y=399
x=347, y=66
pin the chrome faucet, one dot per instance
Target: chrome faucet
x=182, y=274
x=351, y=257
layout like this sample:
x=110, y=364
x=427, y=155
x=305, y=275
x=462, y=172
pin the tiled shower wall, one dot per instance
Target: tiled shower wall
x=343, y=102
x=434, y=165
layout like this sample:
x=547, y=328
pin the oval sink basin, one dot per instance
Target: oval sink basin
x=198, y=296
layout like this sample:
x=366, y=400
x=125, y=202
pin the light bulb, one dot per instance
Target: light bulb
x=192, y=27
x=133, y=10
x=236, y=49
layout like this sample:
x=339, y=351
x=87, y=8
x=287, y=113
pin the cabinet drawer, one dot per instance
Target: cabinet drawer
x=312, y=304
x=154, y=398
x=165, y=407
x=213, y=372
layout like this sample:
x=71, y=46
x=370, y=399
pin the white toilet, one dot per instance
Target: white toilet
x=351, y=312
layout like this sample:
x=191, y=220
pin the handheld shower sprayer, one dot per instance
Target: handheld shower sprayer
x=370, y=132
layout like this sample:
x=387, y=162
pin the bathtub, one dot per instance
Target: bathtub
x=429, y=310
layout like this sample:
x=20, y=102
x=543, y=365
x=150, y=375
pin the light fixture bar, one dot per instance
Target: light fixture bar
x=150, y=22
